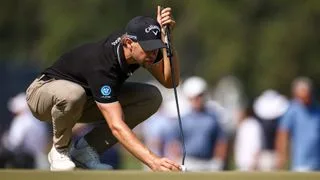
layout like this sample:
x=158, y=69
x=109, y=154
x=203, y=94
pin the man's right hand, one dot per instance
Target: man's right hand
x=114, y=116
x=164, y=164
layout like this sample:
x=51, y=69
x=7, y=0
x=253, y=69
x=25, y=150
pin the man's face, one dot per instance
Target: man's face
x=197, y=102
x=144, y=58
x=303, y=92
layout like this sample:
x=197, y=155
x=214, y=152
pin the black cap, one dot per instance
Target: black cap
x=146, y=31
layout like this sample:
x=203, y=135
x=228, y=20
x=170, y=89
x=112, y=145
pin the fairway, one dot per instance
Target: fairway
x=141, y=175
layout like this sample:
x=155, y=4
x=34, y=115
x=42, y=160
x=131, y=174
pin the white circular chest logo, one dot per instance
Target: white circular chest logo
x=105, y=90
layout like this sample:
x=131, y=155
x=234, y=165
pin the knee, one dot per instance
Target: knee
x=155, y=97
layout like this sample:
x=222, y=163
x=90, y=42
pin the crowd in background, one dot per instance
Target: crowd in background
x=223, y=130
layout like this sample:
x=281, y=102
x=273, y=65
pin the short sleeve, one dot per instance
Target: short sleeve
x=286, y=122
x=103, y=86
x=221, y=135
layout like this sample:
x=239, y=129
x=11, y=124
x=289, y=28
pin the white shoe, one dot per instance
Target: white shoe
x=85, y=156
x=60, y=160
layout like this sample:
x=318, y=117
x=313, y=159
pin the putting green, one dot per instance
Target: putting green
x=141, y=175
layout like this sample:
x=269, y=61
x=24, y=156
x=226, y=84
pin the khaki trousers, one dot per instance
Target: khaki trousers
x=65, y=103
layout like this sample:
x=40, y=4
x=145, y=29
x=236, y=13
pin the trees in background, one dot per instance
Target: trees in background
x=266, y=43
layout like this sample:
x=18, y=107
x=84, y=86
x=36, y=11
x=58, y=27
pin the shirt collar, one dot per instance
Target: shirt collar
x=121, y=59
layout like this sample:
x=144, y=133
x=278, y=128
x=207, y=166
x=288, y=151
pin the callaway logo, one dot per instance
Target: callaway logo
x=153, y=28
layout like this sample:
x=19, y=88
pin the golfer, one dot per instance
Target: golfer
x=87, y=85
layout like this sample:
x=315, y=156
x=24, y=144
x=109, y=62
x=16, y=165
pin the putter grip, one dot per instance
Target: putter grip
x=168, y=41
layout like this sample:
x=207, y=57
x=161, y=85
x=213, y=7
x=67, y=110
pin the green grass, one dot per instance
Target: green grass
x=128, y=161
x=139, y=175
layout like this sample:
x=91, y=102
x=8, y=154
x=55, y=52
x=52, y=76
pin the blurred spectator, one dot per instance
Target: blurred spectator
x=156, y=129
x=300, y=127
x=27, y=138
x=248, y=141
x=230, y=96
x=269, y=107
x=205, y=140
x=225, y=120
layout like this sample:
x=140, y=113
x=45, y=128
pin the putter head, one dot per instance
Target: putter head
x=183, y=168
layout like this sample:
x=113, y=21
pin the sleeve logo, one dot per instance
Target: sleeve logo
x=105, y=90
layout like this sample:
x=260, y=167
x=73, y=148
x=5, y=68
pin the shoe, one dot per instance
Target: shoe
x=86, y=156
x=60, y=160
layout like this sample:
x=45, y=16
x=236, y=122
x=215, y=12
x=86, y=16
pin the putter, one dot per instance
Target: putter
x=169, y=55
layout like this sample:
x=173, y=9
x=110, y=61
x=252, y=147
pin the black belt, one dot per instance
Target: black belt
x=43, y=77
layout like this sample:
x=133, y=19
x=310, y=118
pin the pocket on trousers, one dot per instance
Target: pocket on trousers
x=30, y=90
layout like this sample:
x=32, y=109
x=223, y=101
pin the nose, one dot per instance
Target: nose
x=152, y=53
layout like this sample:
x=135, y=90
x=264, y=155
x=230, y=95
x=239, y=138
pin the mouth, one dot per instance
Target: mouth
x=149, y=60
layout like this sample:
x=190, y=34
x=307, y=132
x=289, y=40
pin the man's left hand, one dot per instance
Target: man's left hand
x=164, y=17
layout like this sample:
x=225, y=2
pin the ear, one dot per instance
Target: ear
x=128, y=43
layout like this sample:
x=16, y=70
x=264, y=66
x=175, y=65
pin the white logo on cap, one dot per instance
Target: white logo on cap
x=155, y=29
x=155, y=32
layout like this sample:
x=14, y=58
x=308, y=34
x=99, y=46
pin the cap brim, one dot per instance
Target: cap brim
x=150, y=45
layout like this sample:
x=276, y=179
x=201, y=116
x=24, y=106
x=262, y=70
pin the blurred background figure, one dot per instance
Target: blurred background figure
x=157, y=127
x=155, y=131
x=27, y=139
x=248, y=141
x=230, y=96
x=205, y=141
x=269, y=108
x=299, y=130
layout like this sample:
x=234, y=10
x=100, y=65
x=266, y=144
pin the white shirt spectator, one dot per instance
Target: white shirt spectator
x=26, y=133
x=248, y=144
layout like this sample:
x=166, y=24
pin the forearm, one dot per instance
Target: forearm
x=130, y=141
x=281, y=148
x=175, y=64
x=114, y=116
x=218, y=157
x=220, y=151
